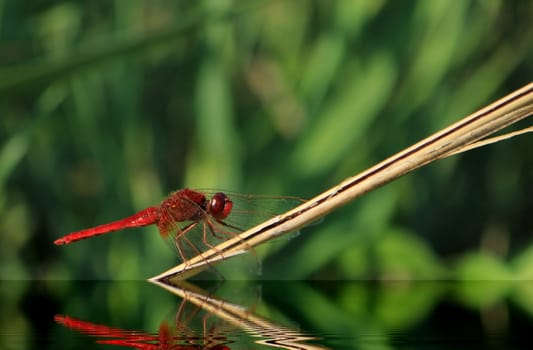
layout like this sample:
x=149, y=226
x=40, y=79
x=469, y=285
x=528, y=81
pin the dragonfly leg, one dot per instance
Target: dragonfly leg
x=228, y=233
x=180, y=238
x=230, y=226
x=208, y=226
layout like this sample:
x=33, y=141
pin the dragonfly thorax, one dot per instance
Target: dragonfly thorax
x=183, y=205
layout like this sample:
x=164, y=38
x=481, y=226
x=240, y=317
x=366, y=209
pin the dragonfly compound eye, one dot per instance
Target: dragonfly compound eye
x=220, y=206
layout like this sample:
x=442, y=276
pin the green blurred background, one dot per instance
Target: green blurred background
x=107, y=106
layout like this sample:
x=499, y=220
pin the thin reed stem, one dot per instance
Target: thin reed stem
x=456, y=138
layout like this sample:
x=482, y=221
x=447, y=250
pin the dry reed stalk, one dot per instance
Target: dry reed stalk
x=458, y=137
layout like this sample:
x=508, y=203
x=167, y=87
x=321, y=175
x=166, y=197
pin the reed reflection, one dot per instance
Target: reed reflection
x=202, y=321
x=268, y=332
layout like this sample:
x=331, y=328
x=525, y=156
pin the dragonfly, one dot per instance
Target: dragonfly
x=195, y=220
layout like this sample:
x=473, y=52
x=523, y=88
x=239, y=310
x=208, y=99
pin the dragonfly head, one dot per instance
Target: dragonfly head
x=219, y=206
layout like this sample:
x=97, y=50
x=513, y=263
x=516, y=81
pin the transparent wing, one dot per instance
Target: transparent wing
x=192, y=238
x=251, y=210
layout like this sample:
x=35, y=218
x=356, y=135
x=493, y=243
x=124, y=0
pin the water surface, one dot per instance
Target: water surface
x=238, y=315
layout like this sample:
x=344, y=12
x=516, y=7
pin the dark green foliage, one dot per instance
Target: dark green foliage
x=105, y=107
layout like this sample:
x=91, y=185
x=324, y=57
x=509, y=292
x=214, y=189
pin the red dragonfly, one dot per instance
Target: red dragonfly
x=184, y=212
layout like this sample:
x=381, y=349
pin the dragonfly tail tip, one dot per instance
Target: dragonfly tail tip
x=60, y=241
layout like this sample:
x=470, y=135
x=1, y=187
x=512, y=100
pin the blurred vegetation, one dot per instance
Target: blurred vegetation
x=106, y=106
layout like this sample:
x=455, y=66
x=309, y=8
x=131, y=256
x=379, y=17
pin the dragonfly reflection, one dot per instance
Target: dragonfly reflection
x=165, y=339
x=201, y=322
